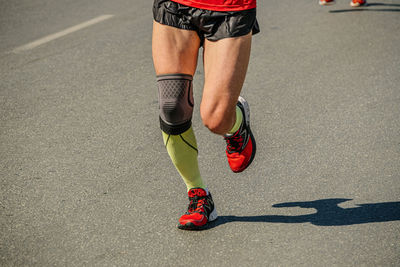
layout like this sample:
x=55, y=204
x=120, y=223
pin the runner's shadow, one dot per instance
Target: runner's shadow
x=359, y=9
x=383, y=4
x=328, y=213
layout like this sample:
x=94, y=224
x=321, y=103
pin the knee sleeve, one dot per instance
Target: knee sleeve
x=175, y=96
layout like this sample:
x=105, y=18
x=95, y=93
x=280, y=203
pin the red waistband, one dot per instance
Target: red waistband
x=219, y=5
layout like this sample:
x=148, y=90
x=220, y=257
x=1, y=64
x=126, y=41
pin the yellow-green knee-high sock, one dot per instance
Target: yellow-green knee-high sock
x=239, y=119
x=182, y=150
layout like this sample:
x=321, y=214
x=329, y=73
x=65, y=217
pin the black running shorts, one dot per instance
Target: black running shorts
x=212, y=25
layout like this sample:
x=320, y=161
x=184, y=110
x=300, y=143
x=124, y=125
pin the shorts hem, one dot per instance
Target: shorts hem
x=181, y=27
x=210, y=25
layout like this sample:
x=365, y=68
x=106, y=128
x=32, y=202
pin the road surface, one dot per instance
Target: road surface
x=85, y=179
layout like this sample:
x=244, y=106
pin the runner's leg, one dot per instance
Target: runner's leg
x=225, y=67
x=175, y=51
x=222, y=110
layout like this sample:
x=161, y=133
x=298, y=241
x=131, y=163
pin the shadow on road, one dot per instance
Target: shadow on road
x=370, y=9
x=328, y=214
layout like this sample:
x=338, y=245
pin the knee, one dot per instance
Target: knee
x=217, y=120
x=176, y=102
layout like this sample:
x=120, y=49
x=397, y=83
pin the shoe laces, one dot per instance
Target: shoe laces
x=197, y=204
x=234, y=143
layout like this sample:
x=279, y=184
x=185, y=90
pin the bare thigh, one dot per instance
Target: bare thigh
x=225, y=67
x=174, y=50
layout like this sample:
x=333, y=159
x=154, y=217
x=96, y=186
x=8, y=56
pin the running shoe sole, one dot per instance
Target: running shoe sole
x=324, y=3
x=246, y=113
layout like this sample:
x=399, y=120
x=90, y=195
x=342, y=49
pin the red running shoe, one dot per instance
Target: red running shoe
x=326, y=2
x=241, y=146
x=201, y=210
x=357, y=3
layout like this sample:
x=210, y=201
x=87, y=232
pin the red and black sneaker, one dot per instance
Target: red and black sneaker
x=200, y=211
x=241, y=146
x=326, y=2
x=357, y=3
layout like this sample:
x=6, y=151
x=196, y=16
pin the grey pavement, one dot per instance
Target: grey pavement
x=85, y=179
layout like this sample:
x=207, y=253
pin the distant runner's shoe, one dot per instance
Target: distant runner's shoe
x=357, y=3
x=241, y=146
x=326, y=2
x=200, y=212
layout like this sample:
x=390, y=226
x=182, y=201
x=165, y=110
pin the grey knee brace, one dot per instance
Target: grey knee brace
x=175, y=96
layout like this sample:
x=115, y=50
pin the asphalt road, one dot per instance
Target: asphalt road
x=85, y=179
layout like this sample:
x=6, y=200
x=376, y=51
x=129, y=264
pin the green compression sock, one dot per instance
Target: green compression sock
x=239, y=119
x=182, y=150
